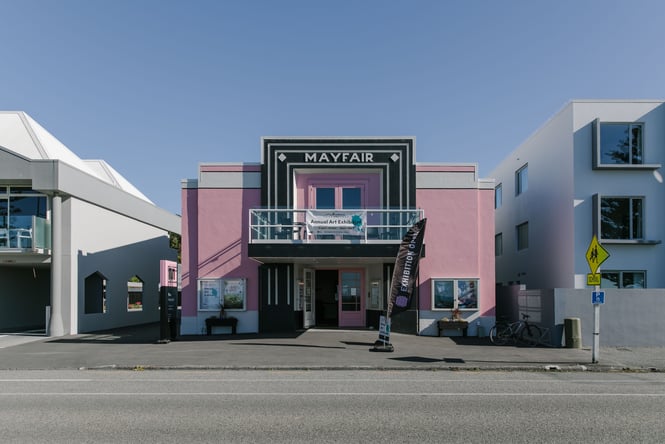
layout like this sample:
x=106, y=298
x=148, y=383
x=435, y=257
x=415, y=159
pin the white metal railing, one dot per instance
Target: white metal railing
x=314, y=226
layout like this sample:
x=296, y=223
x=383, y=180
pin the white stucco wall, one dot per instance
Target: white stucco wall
x=547, y=206
x=623, y=182
x=118, y=247
x=559, y=202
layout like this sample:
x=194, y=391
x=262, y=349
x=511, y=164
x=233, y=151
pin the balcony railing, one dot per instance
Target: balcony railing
x=321, y=226
x=25, y=233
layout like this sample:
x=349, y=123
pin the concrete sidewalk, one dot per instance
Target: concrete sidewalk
x=138, y=347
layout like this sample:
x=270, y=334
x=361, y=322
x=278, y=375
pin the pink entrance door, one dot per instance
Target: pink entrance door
x=351, y=298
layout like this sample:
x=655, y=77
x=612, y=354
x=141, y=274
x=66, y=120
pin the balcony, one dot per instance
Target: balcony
x=330, y=226
x=25, y=233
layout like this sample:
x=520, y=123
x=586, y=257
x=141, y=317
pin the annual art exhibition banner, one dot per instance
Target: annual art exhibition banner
x=336, y=222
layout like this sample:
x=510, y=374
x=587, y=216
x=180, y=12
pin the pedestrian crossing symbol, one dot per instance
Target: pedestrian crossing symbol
x=596, y=255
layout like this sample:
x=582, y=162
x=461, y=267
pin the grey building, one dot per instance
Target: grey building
x=79, y=245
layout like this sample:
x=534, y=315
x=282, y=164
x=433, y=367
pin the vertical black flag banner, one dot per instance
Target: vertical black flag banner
x=403, y=279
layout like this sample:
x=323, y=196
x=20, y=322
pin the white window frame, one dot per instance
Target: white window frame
x=598, y=155
x=598, y=201
x=456, y=295
x=498, y=196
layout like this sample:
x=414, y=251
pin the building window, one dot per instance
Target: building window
x=95, y=294
x=621, y=218
x=521, y=180
x=523, y=236
x=621, y=143
x=623, y=279
x=498, y=196
x=135, y=294
x=18, y=205
x=172, y=274
x=498, y=244
x=448, y=294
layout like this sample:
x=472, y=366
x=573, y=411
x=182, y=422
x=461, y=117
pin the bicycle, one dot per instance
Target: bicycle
x=520, y=331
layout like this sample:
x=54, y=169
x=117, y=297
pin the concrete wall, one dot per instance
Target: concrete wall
x=629, y=317
x=459, y=240
x=215, y=238
x=558, y=203
x=547, y=205
x=117, y=247
x=647, y=183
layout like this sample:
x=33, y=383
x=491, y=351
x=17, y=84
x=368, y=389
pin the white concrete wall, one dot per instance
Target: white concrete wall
x=558, y=204
x=547, y=206
x=629, y=317
x=621, y=182
x=119, y=248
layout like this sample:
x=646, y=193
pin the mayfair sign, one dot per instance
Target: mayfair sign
x=339, y=157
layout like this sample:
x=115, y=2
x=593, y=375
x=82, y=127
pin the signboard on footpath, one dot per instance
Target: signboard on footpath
x=596, y=255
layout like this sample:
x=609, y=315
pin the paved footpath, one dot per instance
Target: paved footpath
x=314, y=349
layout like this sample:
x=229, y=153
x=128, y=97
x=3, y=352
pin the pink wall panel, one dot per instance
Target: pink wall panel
x=459, y=236
x=224, y=234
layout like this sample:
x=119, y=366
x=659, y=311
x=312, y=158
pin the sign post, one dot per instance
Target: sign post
x=596, y=255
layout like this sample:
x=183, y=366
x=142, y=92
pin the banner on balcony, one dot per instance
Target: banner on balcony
x=335, y=222
x=406, y=269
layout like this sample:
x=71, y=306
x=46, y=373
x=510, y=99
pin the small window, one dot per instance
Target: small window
x=95, y=294
x=498, y=244
x=448, y=294
x=621, y=218
x=135, y=294
x=523, y=236
x=623, y=279
x=621, y=143
x=498, y=196
x=521, y=180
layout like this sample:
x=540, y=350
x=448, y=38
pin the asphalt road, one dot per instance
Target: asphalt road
x=330, y=406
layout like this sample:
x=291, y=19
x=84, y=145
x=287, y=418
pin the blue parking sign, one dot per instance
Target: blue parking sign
x=597, y=297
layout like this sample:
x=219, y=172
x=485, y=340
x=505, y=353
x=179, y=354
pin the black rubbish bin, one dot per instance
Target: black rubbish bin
x=573, y=332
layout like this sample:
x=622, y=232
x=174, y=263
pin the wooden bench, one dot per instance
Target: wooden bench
x=221, y=322
x=453, y=325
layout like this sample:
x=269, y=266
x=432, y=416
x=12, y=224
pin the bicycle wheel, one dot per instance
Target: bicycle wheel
x=499, y=334
x=530, y=335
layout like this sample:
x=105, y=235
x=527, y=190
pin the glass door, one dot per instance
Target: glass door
x=351, y=298
x=308, y=307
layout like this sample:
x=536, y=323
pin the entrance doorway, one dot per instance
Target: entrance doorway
x=338, y=298
x=326, y=298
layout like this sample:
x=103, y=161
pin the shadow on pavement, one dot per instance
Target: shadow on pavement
x=150, y=334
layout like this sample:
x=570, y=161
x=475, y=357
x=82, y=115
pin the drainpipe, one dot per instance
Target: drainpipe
x=57, y=327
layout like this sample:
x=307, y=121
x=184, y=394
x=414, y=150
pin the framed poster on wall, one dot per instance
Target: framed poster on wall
x=209, y=294
x=234, y=293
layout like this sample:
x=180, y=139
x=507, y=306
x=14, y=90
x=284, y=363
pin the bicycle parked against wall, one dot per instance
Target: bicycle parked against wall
x=521, y=331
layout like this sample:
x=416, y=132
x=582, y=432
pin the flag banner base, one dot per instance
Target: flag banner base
x=380, y=346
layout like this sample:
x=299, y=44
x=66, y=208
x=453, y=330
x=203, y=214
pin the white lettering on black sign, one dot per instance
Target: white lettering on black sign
x=342, y=157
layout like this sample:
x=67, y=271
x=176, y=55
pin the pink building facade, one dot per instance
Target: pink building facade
x=308, y=238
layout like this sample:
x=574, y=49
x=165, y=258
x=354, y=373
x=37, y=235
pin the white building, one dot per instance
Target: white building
x=79, y=245
x=593, y=169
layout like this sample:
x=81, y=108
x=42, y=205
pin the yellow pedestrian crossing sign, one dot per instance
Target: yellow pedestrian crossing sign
x=596, y=255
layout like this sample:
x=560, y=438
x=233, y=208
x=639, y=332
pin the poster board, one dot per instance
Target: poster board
x=208, y=294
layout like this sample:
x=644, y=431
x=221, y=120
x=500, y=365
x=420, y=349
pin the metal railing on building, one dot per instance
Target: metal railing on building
x=321, y=226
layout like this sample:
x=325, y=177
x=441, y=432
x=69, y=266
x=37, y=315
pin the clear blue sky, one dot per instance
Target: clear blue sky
x=156, y=86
